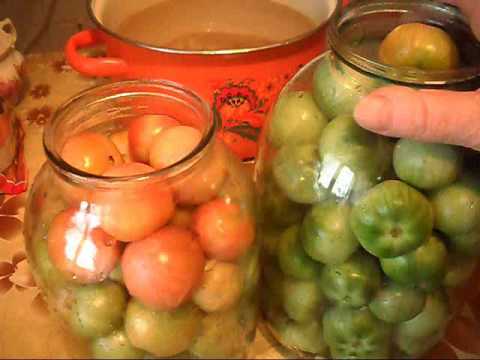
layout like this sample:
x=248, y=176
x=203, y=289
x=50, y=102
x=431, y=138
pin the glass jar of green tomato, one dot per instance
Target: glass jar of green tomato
x=366, y=238
x=140, y=227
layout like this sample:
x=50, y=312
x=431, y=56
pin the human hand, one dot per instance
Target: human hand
x=427, y=115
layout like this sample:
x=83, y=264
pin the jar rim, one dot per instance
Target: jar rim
x=404, y=75
x=119, y=89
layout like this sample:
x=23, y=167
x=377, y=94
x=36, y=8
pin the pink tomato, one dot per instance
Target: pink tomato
x=120, y=139
x=172, y=145
x=72, y=193
x=79, y=248
x=205, y=180
x=133, y=211
x=225, y=231
x=164, y=269
x=182, y=217
x=141, y=132
x=91, y=152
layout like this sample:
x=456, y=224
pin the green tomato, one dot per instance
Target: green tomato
x=459, y=270
x=356, y=334
x=162, y=333
x=115, y=346
x=326, y=234
x=296, y=120
x=337, y=88
x=222, y=337
x=293, y=259
x=353, y=159
x=466, y=244
x=417, y=346
x=49, y=276
x=432, y=319
x=98, y=309
x=296, y=170
x=272, y=308
x=277, y=208
x=116, y=274
x=352, y=283
x=457, y=208
x=425, y=267
x=302, y=299
x=392, y=219
x=426, y=166
x=306, y=336
x=396, y=303
x=420, y=46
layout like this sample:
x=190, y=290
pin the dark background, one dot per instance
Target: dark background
x=45, y=25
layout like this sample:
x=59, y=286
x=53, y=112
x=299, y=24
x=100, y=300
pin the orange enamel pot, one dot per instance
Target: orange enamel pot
x=240, y=84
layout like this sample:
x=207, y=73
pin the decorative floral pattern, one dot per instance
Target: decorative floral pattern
x=242, y=107
x=40, y=90
x=60, y=66
x=15, y=273
x=39, y=116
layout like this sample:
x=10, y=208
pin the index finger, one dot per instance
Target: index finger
x=426, y=115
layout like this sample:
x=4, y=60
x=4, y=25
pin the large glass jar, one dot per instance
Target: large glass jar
x=142, y=262
x=365, y=238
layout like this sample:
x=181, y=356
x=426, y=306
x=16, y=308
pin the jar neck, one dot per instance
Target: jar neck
x=373, y=19
x=108, y=109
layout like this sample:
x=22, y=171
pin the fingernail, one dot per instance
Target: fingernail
x=372, y=112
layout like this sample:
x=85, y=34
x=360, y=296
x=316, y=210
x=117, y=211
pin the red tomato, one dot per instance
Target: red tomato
x=225, y=231
x=79, y=248
x=74, y=194
x=182, y=217
x=205, y=181
x=130, y=213
x=91, y=152
x=172, y=145
x=164, y=269
x=141, y=132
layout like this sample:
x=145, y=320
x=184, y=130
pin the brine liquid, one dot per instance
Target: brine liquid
x=215, y=24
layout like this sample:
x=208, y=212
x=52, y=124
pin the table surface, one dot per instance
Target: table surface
x=27, y=329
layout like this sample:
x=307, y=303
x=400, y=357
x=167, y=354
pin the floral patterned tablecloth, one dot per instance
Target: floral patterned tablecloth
x=27, y=330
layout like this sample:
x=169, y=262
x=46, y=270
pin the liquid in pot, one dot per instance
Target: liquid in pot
x=215, y=25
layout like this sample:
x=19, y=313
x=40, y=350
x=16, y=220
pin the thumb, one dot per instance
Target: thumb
x=426, y=115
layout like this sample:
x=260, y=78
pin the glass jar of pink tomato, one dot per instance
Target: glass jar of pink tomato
x=140, y=226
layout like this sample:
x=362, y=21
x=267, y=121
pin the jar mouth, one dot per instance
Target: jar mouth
x=115, y=98
x=382, y=17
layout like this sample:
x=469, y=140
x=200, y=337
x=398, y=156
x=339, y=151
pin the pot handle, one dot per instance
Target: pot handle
x=97, y=67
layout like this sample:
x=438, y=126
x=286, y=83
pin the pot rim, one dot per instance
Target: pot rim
x=296, y=39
